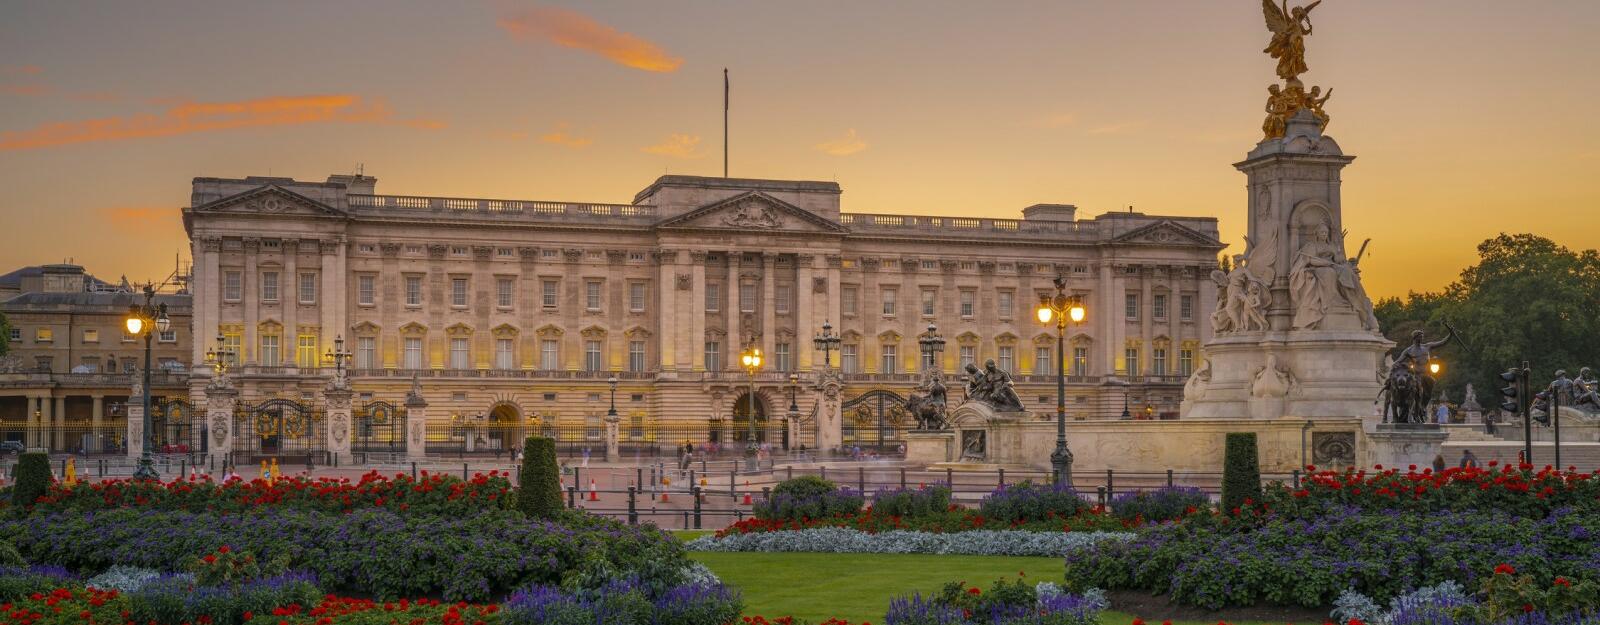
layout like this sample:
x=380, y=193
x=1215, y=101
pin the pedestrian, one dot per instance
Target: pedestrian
x=1468, y=459
x=1438, y=463
x=585, y=456
x=1443, y=414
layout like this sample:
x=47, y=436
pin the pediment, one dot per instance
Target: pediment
x=1166, y=232
x=270, y=200
x=752, y=211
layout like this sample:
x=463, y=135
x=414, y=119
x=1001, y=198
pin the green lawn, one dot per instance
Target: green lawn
x=858, y=587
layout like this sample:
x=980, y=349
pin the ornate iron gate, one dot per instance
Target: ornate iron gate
x=380, y=427
x=279, y=426
x=174, y=427
x=881, y=409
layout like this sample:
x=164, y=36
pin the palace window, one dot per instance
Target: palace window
x=505, y=356
x=747, y=297
x=231, y=341
x=269, y=286
x=1004, y=304
x=1130, y=305
x=591, y=294
x=305, y=353
x=44, y=335
x=636, y=361
x=458, y=292
x=890, y=363
x=849, y=360
x=504, y=252
x=889, y=296
x=232, y=286
x=636, y=296
x=1158, y=306
x=1185, y=361
x=308, y=288
x=549, y=355
x=365, y=288
x=930, y=264
x=504, y=292
x=969, y=300
x=781, y=358
x=269, y=351
x=548, y=293
x=781, y=294
x=1130, y=357
x=413, y=290
x=1007, y=361
x=167, y=336
x=366, y=352
x=91, y=336
x=713, y=297
x=1041, y=361
x=1080, y=361
x=847, y=300
x=713, y=355
x=460, y=353
x=591, y=356
x=413, y=354
x=929, y=303
x=1158, y=361
x=16, y=334
x=1186, y=307
x=969, y=355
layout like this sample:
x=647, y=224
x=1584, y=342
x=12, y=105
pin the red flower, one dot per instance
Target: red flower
x=1138, y=621
x=1505, y=569
x=222, y=549
x=974, y=591
x=1562, y=581
x=209, y=558
x=1527, y=607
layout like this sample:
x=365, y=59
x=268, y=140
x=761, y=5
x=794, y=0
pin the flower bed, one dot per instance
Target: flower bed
x=429, y=494
x=1382, y=554
x=1006, y=603
x=1519, y=491
x=844, y=540
x=953, y=519
x=371, y=551
x=928, y=509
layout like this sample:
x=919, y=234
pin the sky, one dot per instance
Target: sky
x=1467, y=117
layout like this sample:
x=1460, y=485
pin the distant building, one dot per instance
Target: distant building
x=70, y=367
x=513, y=313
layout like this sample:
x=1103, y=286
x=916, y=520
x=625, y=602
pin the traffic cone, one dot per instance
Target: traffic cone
x=747, y=492
x=593, y=495
x=664, y=496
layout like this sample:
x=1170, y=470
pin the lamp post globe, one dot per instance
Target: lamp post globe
x=140, y=319
x=1060, y=310
x=750, y=358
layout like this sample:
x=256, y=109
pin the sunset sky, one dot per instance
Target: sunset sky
x=1467, y=117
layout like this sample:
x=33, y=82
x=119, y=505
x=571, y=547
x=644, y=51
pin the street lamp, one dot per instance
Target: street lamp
x=338, y=357
x=613, y=382
x=1434, y=367
x=827, y=341
x=794, y=408
x=1061, y=309
x=932, y=344
x=750, y=358
x=147, y=319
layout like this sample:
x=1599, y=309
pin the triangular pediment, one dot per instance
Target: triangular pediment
x=1166, y=232
x=752, y=211
x=270, y=199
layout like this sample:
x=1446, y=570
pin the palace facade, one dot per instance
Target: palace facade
x=512, y=315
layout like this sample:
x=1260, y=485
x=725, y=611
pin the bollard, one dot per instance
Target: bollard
x=211, y=463
x=183, y=468
x=1100, y=492
x=572, y=497
x=1169, y=478
x=696, y=491
x=766, y=495
x=902, y=478
x=685, y=519
x=1002, y=478
x=1110, y=485
x=413, y=471
x=950, y=478
x=703, y=466
x=63, y=468
x=463, y=471
x=788, y=472
x=733, y=481
x=335, y=459
x=861, y=479
x=824, y=471
x=577, y=475
x=633, y=506
x=1297, y=479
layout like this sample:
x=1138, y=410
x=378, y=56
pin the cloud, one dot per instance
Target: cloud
x=559, y=136
x=29, y=89
x=146, y=217
x=1117, y=128
x=843, y=146
x=28, y=70
x=677, y=146
x=571, y=29
x=193, y=117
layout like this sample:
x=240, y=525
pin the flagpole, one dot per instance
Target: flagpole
x=724, y=122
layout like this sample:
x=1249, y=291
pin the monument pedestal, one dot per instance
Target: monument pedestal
x=1398, y=445
x=1323, y=374
x=930, y=446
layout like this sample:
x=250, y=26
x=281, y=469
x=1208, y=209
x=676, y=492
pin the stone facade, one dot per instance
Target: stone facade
x=514, y=313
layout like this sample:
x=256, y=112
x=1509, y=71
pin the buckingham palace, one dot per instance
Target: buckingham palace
x=510, y=316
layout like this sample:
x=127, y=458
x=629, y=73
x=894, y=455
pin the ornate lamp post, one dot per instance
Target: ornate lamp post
x=750, y=358
x=147, y=319
x=338, y=357
x=932, y=345
x=794, y=409
x=219, y=356
x=827, y=341
x=613, y=382
x=1061, y=309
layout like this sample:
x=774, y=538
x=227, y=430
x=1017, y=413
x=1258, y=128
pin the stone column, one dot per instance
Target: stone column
x=135, y=422
x=221, y=397
x=416, y=426
x=735, y=336
x=668, y=330
x=803, y=293
x=289, y=298
x=97, y=414
x=833, y=305
x=331, y=300
x=1105, y=321
x=1147, y=313
x=337, y=397
x=58, y=425
x=769, y=316
x=613, y=451
x=250, y=299
x=1205, y=305
x=697, y=331
x=35, y=414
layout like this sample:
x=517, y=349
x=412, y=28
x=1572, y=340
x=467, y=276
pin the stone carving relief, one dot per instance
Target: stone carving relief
x=437, y=250
x=1195, y=387
x=1333, y=448
x=819, y=284
x=684, y=281
x=752, y=214
x=1272, y=380
x=219, y=428
x=482, y=252
x=572, y=254
x=1242, y=299
x=340, y=427
x=390, y=249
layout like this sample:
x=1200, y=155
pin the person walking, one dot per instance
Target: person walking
x=1468, y=459
x=1438, y=463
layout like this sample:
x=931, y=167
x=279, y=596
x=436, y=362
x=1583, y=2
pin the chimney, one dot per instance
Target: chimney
x=1050, y=212
x=355, y=183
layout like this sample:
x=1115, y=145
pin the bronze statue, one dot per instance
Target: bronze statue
x=1289, y=27
x=1586, y=390
x=928, y=407
x=1410, y=384
x=993, y=387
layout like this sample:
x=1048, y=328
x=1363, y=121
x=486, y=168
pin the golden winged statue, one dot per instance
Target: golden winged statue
x=1289, y=29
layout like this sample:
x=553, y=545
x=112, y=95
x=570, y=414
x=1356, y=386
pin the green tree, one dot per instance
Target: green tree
x=5, y=334
x=1241, y=470
x=540, y=494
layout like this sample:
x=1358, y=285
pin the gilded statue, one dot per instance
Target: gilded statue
x=1283, y=103
x=1289, y=30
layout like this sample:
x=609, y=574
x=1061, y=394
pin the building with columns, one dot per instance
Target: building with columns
x=511, y=315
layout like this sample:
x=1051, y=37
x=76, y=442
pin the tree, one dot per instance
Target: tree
x=5, y=334
x=540, y=494
x=1241, y=471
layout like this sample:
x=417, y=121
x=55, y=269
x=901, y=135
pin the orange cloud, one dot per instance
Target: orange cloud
x=33, y=89
x=571, y=29
x=21, y=69
x=843, y=146
x=559, y=136
x=677, y=146
x=193, y=117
